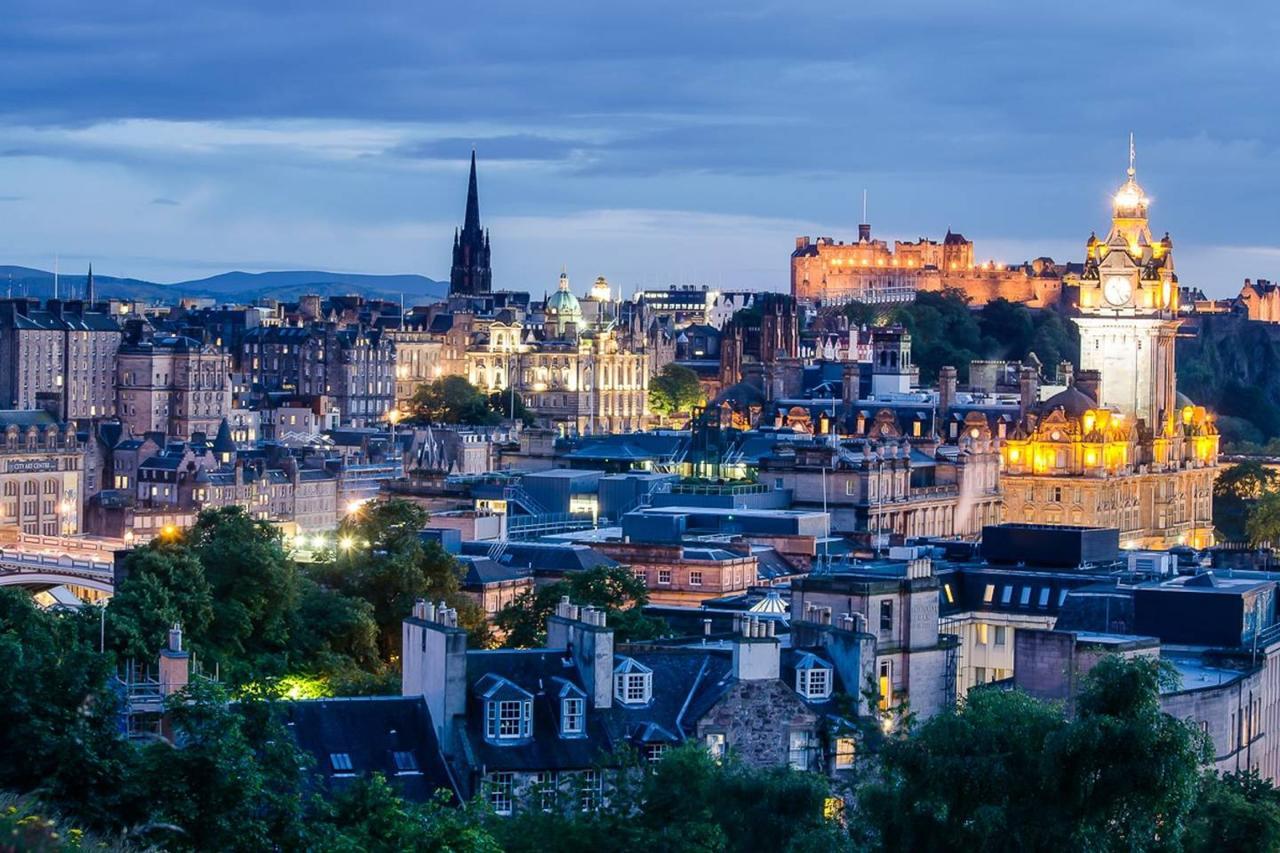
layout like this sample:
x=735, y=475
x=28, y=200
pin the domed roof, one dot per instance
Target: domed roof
x=1073, y=402
x=563, y=301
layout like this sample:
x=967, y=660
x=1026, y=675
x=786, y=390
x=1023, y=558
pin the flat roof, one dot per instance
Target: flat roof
x=729, y=511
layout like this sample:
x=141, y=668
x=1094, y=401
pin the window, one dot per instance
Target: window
x=547, y=786
x=982, y=633
x=509, y=718
x=1006, y=595
x=640, y=574
x=946, y=590
x=341, y=763
x=664, y=576
x=1001, y=635
x=715, y=745
x=777, y=482
x=590, y=791
x=653, y=752
x=1025, y=598
x=980, y=674
x=406, y=764
x=813, y=682
x=886, y=615
x=886, y=684
x=632, y=682
x=989, y=594
x=499, y=786
x=571, y=714
x=844, y=753
x=695, y=578
x=798, y=750
x=1044, y=597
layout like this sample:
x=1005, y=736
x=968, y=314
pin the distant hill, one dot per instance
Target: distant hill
x=286, y=285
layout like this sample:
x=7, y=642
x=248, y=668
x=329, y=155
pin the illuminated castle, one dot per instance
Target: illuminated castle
x=869, y=270
x=1120, y=447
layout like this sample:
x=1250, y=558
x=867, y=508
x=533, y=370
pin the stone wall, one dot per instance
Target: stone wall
x=757, y=718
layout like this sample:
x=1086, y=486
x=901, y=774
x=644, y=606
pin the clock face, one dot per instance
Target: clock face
x=1117, y=289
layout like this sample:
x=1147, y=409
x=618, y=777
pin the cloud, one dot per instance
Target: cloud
x=165, y=201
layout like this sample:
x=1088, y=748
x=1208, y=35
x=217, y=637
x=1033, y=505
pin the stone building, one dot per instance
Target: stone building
x=868, y=270
x=419, y=356
x=574, y=377
x=544, y=728
x=172, y=385
x=1260, y=301
x=41, y=474
x=61, y=351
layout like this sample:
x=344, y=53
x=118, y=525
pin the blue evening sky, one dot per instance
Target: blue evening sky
x=653, y=143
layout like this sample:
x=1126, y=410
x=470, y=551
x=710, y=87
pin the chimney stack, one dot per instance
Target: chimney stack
x=433, y=663
x=1028, y=388
x=1089, y=382
x=756, y=652
x=947, y=378
x=582, y=633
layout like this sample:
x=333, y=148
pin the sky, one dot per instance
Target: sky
x=653, y=143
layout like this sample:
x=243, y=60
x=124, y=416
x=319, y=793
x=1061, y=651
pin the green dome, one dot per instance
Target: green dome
x=563, y=302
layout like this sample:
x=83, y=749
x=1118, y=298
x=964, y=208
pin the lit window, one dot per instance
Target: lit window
x=844, y=753
x=499, y=786
x=715, y=745
x=946, y=590
x=982, y=633
x=989, y=594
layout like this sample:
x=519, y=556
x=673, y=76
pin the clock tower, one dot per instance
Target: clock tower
x=1128, y=306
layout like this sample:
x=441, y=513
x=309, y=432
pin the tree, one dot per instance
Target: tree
x=1008, y=772
x=1263, y=525
x=508, y=405
x=1236, y=490
x=615, y=589
x=1235, y=811
x=164, y=585
x=381, y=560
x=370, y=816
x=675, y=390
x=451, y=400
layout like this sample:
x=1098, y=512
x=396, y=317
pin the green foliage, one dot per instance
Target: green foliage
x=675, y=390
x=243, y=604
x=688, y=802
x=615, y=589
x=1007, y=772
x=370, y=816
x=454, y=400
x=945, y=330
x=1232, y=366
x=1235, y=811
x=1263, y=525
x=1236, y=492
x=381, y=561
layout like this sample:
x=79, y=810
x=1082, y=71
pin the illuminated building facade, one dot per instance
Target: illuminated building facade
x=868, y=270
x=575, y=377
x=1120, y=448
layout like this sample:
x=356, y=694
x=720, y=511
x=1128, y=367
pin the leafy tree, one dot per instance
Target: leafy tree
x=1235, y=811
x=58, y=721
x=675, y=390
x=507, y=405
x=615, y=589
x=1236, y=491
x=1263, y=525
x=370, y=816
x=1007, y=772
x=165, y=585
x=381, y=560
x=451, y=400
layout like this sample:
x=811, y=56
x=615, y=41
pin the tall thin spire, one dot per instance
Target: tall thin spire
x=89, y=295
x=471, y=222
x=864, y=205
x=1132, y=155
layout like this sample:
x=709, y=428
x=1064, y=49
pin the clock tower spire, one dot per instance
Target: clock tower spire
x=1128, y=304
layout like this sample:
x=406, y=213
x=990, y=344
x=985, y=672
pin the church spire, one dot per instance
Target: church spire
x=471, y=222
x=89, y=295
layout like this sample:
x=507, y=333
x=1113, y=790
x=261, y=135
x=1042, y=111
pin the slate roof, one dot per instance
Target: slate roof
x=26, y=418
x=545, y=557
x=370, y=732
x=482, y=570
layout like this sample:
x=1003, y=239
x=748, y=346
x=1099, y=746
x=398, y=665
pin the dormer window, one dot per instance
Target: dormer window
x=632, y=682
x=508, y=709
x=813, y=677
x=572, y=715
